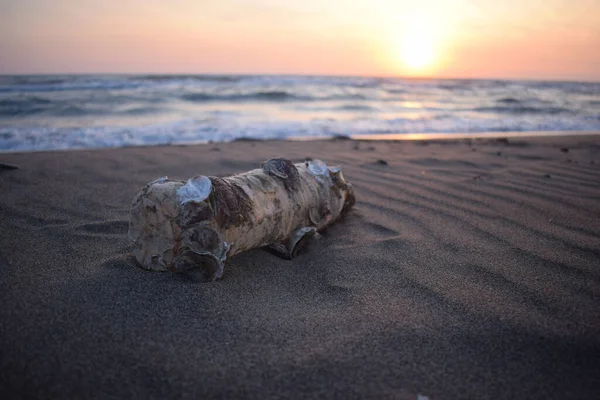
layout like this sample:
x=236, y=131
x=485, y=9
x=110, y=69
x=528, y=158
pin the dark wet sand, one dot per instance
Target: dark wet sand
x=468, y=269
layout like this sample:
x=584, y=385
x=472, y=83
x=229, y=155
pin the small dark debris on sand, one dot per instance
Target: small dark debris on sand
x=341, y=137
x=7, y=166
x=499, y=153
x=382, y=162
x=247, y=139
x=547, y=176
x=564, y=149
x=371, y=148
x=503, y=141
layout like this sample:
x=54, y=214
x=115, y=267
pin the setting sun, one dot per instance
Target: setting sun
x=419, y=51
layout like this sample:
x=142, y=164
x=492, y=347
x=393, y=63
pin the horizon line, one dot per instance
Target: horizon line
x=413, y=77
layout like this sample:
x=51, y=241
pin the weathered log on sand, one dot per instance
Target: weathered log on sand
x=198, y=223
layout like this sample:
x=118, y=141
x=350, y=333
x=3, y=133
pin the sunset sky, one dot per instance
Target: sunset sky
x=539, y=39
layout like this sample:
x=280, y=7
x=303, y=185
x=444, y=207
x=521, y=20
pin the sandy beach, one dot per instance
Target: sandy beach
x=468, y=269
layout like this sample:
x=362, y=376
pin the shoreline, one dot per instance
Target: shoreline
x=388, y=137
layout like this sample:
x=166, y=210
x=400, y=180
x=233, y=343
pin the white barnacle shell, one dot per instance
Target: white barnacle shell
x=195, y=189
x=162, y=179
x=318, y=168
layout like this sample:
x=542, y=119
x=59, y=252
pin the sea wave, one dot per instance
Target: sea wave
x=23, y=102
x=175, y=78
x=64, y=86
x=524, y=110
x=25, y=106
x=508, y=100
x=276, y=95
x=50, y=112
x=585, y=88
x=269, y=96
x=228, y=128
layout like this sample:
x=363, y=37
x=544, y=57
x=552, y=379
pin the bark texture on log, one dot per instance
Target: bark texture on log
x=198, y=223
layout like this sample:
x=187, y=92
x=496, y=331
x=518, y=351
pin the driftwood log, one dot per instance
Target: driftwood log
x=179, y=225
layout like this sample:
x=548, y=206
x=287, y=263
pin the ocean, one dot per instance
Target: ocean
x=44, y=112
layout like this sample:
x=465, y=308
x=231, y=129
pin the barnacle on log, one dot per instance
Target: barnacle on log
x=198, y=223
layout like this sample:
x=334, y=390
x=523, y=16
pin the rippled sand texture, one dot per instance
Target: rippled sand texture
x=468, y=269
